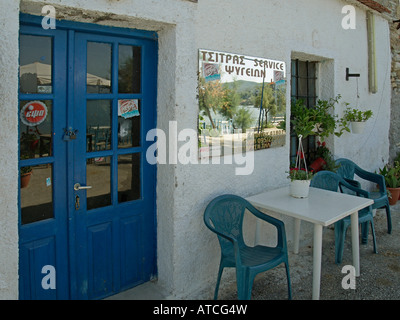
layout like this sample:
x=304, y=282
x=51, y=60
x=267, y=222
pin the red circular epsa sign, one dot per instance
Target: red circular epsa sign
x=33, y=113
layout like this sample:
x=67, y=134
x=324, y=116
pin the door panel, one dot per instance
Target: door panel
x=100, y=259
x=99, y=92
x=115, y=112
x=34, y=255
x=43, y=213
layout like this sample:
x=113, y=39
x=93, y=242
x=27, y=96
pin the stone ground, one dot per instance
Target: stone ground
x=379, y=278
x=380, y=273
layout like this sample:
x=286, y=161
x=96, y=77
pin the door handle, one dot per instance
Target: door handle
x=77, y=186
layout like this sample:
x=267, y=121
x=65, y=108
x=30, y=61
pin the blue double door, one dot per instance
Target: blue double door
x=87, y=214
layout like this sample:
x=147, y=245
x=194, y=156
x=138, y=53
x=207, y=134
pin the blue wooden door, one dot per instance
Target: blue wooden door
x=87, y=216
x=43, y=243
x=114, y=108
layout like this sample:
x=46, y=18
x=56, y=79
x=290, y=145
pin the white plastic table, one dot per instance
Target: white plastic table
x=322, y=208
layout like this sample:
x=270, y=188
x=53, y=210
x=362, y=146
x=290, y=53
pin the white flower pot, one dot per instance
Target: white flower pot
x=357, y=127
x=299, y=188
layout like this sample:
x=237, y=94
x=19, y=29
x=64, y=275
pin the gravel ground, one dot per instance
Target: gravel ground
x=380, y=273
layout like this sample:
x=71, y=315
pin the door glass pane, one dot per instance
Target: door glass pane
x=129, y=182
x=36, y=193
x=129, y=123
x=98, y=78
x=35, y=129
x=35, y=62
x=129, y=69
x=98, y=175
x=98, y=125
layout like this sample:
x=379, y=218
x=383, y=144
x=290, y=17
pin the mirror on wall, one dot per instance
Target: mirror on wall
x=240, y=95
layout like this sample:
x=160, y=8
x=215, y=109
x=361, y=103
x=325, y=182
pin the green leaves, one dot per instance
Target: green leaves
x=391, y=175
x=318, y=120
x=356, y=115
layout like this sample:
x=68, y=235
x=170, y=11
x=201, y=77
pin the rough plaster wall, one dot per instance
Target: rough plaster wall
x=188, y=254
x=177, y=82
x=395, y=74
x=394, y=125
x=8, y=157
x=166, y=173
x=371, y=149
x=269, y=32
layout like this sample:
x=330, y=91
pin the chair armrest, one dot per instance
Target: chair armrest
x=354, y=183
x=358, y=191
x=372, y=177
x=278, y=224
x=230, y=239
x=223, y=235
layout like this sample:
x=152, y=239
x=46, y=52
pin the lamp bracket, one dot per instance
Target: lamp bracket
x=348, y=74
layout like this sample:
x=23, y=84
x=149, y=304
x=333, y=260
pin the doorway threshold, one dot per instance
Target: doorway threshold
x=147, y=291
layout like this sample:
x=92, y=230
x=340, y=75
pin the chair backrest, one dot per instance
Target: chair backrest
x=346, y=168
x=327, y=180
x=224, y=215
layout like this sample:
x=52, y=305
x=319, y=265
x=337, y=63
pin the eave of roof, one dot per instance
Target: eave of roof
x=375, y=6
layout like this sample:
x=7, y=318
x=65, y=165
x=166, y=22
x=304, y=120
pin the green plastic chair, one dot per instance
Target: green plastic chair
x=331, y=181
x=224, y=216
x=348, y=169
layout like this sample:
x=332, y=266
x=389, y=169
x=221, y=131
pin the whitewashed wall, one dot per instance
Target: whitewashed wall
x=9, y=22
x=309, y=30
x=188, y=254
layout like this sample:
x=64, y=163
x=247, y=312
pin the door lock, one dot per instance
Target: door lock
x=69, y=134
x=77, y=203
x=77, y=187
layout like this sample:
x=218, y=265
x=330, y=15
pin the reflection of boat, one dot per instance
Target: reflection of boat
x=43, y=74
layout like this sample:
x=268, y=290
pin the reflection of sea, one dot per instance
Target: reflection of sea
x=254, y=111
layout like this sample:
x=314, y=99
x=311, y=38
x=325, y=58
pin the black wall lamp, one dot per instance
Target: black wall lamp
x=398, y=26
x=348, y=74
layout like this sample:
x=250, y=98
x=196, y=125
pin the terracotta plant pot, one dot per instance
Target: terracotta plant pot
x=395, y=192
x=318, y=164
x=25, y=178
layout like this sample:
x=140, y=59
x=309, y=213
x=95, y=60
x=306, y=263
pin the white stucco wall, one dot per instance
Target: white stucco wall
x=188, y=254
x=283, y=30
x=9, y=22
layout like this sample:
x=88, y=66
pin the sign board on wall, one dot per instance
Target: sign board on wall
x=239, y=93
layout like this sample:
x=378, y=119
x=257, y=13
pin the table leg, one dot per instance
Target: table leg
x=296, y=235
x=355, y=242
x=317, y=259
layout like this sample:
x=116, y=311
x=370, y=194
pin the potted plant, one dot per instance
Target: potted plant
x=29, y=143
x=300, y=177
x=299, y=182
x=318, y=120
x=26, y=173
x=392, y=181
x=302, y=119
x=357, y=118
x=323, y=159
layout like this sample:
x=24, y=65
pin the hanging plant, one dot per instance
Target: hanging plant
x=318, y=120
x=300, y=177
x=357, y=118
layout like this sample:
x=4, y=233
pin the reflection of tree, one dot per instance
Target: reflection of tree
x=219, y=98
x=210, y=97
x=129, y=71
x=274, y=101
x=243, y=119
x=230, y=101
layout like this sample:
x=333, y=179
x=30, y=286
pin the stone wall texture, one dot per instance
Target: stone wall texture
x=394, y=133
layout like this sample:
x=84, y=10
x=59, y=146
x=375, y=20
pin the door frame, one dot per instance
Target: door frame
x=71, y=28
